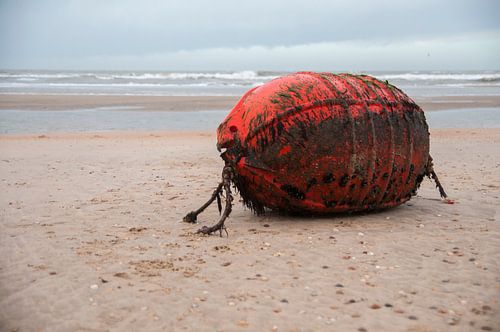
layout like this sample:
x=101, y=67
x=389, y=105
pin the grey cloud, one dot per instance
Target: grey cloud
x=34, y=30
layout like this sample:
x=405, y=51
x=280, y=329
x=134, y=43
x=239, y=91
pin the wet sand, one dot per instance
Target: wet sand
x=195, y=103
x=91, y=240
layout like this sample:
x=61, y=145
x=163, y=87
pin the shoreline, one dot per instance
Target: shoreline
x=41, y=102
x=455, y=133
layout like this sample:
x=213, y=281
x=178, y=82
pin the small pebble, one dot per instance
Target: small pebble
x=94, y=286
x=284, y=301
x=339, y=285
x=412, y=317
x=266, y=225
x=388, y=305
x=375, y=306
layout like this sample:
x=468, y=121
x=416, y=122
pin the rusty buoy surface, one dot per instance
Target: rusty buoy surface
x=323, y=143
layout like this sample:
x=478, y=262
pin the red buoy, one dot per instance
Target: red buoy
x=323, y=143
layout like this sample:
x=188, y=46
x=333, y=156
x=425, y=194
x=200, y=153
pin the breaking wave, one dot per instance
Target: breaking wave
x=480, y=77
x=246, y=75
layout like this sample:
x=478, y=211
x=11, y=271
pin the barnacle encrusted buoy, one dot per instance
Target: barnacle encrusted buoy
x=322, y=143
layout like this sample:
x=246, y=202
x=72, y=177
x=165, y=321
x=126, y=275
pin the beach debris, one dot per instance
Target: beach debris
x=123, y=275
x=321, y=143
x=137, y=229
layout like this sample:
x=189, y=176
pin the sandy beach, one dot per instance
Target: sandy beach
x=92, y=240
x=109, y=113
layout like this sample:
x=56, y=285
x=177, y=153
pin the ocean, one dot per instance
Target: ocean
x=116, y=119
x=415, y=84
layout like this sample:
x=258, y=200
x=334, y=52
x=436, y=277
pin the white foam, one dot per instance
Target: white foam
x=38, y=75
x=111, y=85
x=440, y=77
x=241, y=75
x=133, y=76
x=246, y=75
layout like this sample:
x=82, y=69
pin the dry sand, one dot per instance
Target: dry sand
x=92, y=240
x=196, y=103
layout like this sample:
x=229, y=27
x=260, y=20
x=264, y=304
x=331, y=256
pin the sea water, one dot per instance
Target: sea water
x=163, y=83
x=116, y=119
x=208, y=83
x=106, y=119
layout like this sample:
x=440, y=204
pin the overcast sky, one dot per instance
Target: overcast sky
x=256, y=34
